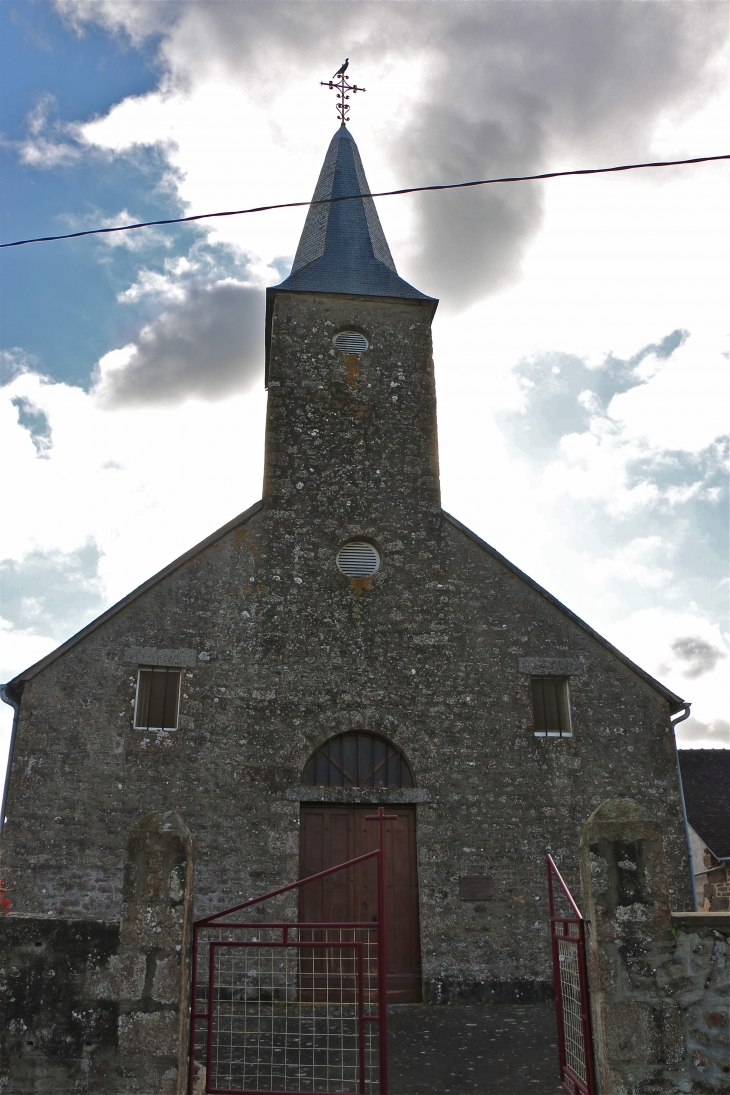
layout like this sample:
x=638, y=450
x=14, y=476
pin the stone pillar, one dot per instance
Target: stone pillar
x=155, y=938
x=637, y=1023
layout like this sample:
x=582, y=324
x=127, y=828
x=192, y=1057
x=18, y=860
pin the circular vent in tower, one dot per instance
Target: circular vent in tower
x=358, y=559
x=350, y=342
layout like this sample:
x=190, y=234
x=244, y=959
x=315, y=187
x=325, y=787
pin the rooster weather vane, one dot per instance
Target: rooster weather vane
x=340, y=83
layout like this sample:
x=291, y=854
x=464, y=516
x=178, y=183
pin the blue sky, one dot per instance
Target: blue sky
x=59, y=304
x=580, y=343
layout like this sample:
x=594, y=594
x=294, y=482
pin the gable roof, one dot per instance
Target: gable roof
x=706, y=784
x=676, y=703
x=15, y=686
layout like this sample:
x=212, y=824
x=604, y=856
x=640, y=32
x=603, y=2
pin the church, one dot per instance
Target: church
x=342, y=644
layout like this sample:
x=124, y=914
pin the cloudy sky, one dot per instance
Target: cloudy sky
x=580, y=343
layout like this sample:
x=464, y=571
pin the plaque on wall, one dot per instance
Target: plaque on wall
x=476, y=887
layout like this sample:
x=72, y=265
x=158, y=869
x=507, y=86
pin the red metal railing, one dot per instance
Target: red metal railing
x=570, y=972
x=283, y=1007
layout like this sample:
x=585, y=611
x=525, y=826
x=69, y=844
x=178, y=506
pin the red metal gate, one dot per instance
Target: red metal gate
x=282, y=1007
x=570, y=972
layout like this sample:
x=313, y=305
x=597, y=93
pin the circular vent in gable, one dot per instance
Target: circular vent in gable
x=350, y=342
x=358, y=559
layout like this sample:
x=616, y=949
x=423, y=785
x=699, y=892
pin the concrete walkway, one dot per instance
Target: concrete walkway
x=489, y=1050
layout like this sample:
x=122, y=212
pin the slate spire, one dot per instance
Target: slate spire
x=343, y=248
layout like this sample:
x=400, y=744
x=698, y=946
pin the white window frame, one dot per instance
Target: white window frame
x=159, y=668
x=554, y=733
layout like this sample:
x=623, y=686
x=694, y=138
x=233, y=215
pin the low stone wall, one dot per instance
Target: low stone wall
x=698, y=978
x=56, y=1035
x=101, y=1006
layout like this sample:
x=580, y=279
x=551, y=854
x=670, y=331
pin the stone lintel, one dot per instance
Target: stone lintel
x=694, y=921
x=353, y=795
x=552, y=667
x=150, y=655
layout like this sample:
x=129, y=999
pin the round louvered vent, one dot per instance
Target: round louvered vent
x=350, y=342
x=358, y=559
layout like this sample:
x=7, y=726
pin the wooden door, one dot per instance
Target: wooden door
x=334, y=834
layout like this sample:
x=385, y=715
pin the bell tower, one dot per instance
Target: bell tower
x=351, y=427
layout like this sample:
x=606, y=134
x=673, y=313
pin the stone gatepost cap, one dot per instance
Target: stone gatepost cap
x=618, y=818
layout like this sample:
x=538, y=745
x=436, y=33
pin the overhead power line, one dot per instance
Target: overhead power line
x=352, y=197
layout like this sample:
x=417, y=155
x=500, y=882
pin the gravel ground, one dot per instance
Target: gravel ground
x=452, y=1050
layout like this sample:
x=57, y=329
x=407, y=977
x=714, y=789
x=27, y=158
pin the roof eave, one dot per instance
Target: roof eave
x=676, y=703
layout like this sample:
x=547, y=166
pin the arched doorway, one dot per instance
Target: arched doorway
x=334, y=832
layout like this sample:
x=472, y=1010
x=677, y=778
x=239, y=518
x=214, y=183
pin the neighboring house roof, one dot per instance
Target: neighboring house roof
x=706, y=785
x=15, y=686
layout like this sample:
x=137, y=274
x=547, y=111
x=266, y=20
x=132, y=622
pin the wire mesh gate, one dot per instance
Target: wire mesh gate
x=570, y=973
x=283, y=1007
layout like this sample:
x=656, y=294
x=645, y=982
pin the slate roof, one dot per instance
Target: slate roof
x=343, y=248
x=706, y=786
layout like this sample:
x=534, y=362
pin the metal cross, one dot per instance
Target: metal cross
x=339, y=83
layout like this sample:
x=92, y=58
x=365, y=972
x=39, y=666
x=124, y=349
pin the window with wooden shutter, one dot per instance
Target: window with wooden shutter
x=551, y=707
x=158, y=698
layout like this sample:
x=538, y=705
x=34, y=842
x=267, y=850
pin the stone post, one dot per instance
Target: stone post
x=637, y=1023
x=156, y=932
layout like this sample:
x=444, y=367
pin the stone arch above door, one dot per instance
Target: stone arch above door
x=358, y=760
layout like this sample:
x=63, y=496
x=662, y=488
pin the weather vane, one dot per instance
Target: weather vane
x=340, y=84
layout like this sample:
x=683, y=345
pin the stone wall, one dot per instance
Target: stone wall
x=659, y=980
x=101, y=1006
x=57, y=1033
x=698, y=975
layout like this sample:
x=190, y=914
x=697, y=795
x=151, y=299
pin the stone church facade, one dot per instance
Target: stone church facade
x=265, y=692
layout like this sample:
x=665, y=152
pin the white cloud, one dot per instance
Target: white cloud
x=49, y=142
x=52, y=593
x=164, y=287
x=694, y=734
x=144, y=484
x=135, y=20
x=137, y=239
x=685, y=405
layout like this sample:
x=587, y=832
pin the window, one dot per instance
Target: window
x=158, y=698
x=358, y=760
x=358, y=559
x=350, y=342
x=551, y=707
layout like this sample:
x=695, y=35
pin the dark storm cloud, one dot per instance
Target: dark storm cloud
x=52, y=592
x=35, y=421
x=701, y=657
x=506, y=89
x=206, y=346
